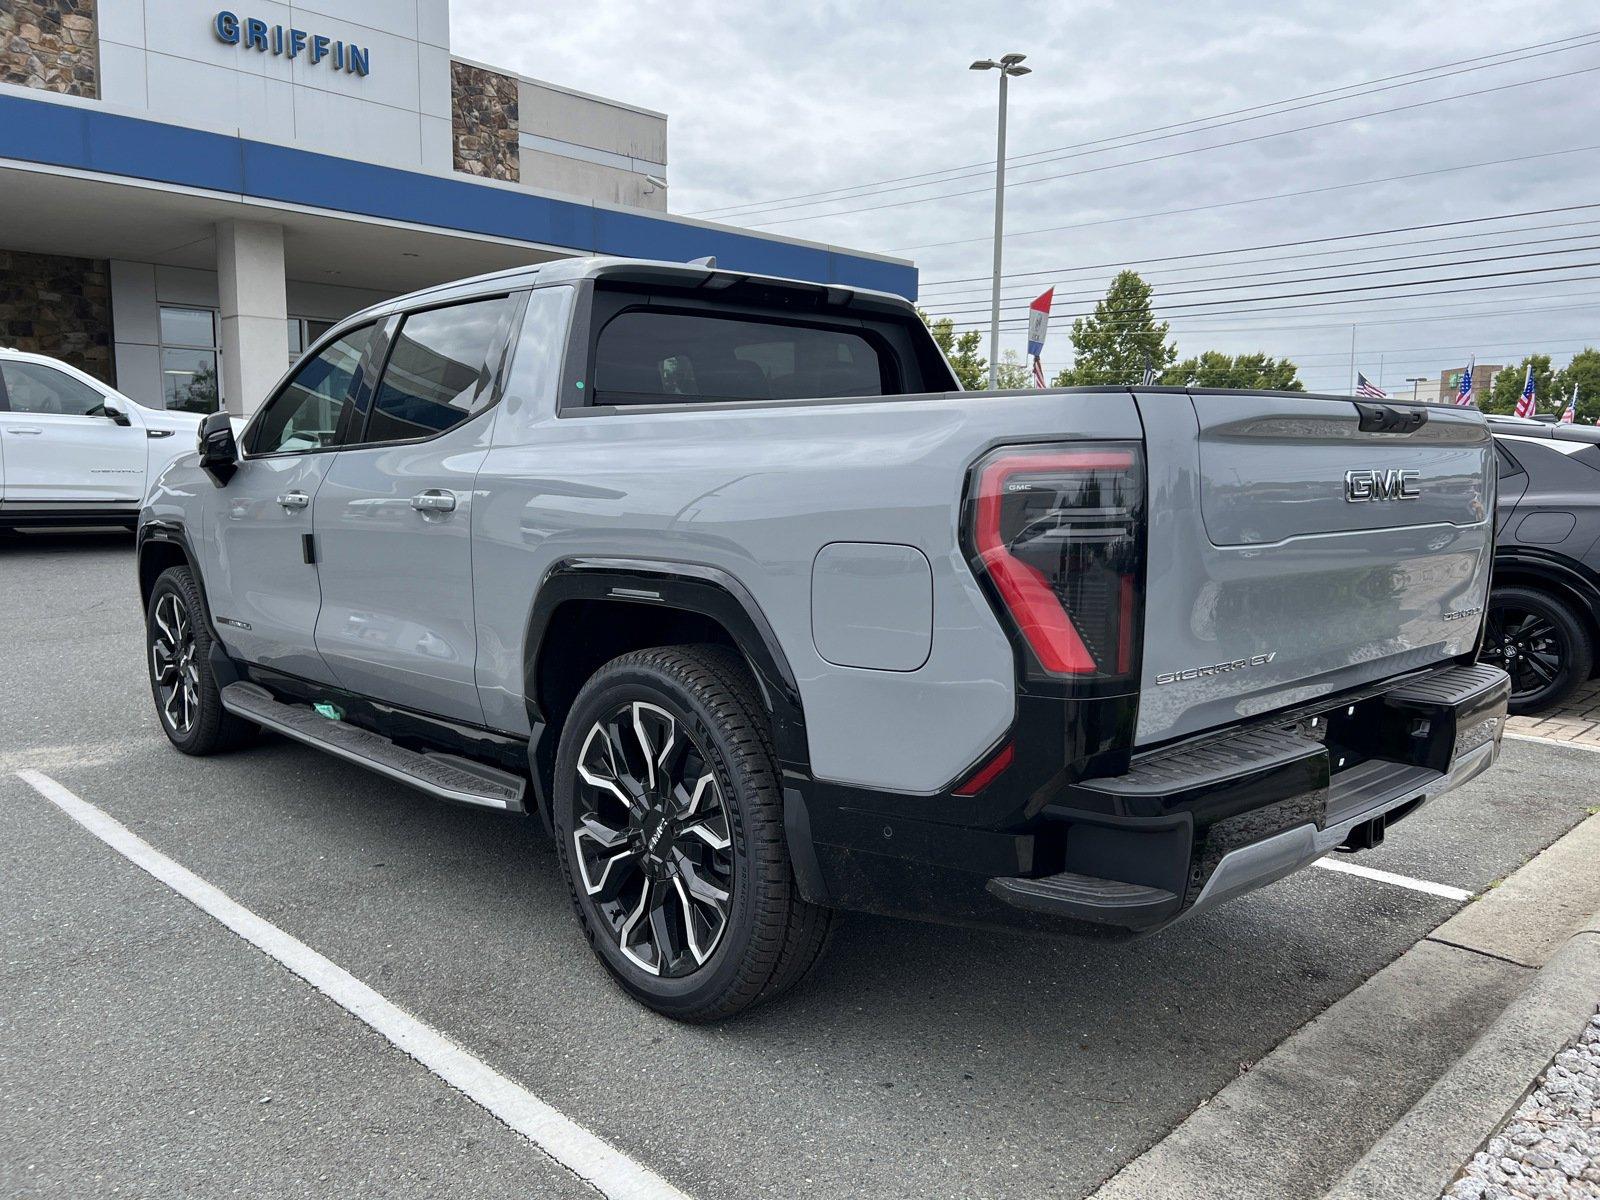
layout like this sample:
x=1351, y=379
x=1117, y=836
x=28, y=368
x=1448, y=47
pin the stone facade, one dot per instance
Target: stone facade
x=51, y=304
x=50, y=44
x=483, y=125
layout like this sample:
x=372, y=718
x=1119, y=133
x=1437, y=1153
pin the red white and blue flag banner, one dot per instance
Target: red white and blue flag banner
x=1365, y=387
x=1038, y=323
x=1525, y=404
x=1464, y=392
x=1038, y=372
x=1570, y=413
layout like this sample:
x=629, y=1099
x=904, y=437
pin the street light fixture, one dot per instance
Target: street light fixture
x=1008, y=66
x=1413, y=380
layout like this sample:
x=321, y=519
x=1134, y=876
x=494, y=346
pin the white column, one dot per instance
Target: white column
x=255, y=312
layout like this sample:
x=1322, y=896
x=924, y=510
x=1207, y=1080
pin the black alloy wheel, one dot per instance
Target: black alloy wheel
x=1539, y=642
x=174, y=672
x=178, y=641
x=669, y=824
x=651, y=839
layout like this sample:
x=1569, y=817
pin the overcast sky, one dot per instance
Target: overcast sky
x=770, y=101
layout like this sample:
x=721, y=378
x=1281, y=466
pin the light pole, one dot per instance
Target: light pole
x=1009, y=65
x=1413, y=380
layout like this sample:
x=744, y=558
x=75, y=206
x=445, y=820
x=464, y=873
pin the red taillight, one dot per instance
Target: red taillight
x=1056, y=531
x=986, y=774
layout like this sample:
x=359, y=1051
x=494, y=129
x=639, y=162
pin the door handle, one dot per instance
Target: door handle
x=30, y=430
x=294, y=499
x=434, y=500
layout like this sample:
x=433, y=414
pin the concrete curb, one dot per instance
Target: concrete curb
x=1425, y=1150
x=1470, y=1002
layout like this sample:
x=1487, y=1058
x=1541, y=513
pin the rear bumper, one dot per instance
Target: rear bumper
x=1185, y=828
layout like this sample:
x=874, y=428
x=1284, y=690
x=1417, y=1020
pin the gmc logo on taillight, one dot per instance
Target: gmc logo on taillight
x=1362, y=486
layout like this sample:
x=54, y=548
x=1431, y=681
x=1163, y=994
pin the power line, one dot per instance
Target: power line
x=1508, y=57
x=1464, y=262
x=1171, y=154
x=1057, y=273
x=1332, y=187
x=1016, y=323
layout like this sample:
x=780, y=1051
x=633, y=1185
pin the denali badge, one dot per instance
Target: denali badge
x=1461, y=614
x=1361, y=486
x=1238, y=664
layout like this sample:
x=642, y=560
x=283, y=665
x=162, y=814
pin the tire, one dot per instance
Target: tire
x=1541, y=643
x=646, y=847
x=178, y=655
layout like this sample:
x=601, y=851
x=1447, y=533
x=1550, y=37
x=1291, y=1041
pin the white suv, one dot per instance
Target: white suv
x=74, y=451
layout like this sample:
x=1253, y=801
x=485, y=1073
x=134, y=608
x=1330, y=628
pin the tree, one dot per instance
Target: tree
x=1214, y=369
x=1583, y=370
x=1507, y=387
x=1119, y=339
x=1013, y=372
x=960, y=351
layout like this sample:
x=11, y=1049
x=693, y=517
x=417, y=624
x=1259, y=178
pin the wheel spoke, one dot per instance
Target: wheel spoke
x=708, y=835
x=699, y=886
x=609, y=758
x=653, y=758
x=1538, y=666
x=626, y=933
x=1537, y=627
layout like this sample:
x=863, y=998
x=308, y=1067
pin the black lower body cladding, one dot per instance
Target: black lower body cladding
x=1183, y=828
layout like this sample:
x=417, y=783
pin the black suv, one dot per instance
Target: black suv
x=1544, y=608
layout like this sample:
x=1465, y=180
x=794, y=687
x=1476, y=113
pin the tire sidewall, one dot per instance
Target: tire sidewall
x=611, y=689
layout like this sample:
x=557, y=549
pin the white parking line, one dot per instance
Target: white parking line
x=592, y=1159
x=1549, y=741
x=1405, y=881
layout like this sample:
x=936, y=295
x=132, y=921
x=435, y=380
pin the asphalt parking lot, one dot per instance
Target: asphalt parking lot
x=147, y=1050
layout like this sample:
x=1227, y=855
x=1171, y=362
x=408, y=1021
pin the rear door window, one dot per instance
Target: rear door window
x=644, y=356
x=438, y=373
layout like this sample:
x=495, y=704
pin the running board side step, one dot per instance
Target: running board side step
x=445, y=776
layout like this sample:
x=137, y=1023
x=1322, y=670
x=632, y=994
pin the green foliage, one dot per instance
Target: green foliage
x=1507, y=387
x=1584, y=370
x=961, y=351
x=1013, y=372
x=1115, y=343
x=1214, y=369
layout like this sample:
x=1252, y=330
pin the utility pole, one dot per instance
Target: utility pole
x=1009, y=65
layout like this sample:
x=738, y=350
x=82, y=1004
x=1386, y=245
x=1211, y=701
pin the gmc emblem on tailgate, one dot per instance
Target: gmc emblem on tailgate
x=1362, y=486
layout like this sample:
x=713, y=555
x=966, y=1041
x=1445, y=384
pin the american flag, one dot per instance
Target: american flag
x=1038, y=372
x=1365, y=387
x=1148, y=379
x=1525, y=404
x=1464, y=392
x=1570, y=413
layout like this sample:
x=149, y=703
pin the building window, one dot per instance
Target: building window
x=189, y=359
x=303, y=334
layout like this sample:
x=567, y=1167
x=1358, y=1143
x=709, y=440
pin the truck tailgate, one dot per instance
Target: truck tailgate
x=1293, y=553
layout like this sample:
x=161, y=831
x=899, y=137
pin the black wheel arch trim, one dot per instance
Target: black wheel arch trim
x=174, y=533
x=1573, y=581
x=689, y=587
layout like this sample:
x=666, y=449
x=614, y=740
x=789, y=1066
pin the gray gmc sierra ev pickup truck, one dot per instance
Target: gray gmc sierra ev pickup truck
x=726, y=578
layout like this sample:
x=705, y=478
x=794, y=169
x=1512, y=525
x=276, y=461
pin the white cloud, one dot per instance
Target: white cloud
x=767, y=101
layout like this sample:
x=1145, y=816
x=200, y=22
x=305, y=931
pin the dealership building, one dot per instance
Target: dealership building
x=190, y=194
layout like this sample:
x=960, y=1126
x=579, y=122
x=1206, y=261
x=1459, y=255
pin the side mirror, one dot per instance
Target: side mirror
x=114, y=414
x=219, y=450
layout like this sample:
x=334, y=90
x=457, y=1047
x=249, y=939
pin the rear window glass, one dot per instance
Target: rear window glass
x=645, y=357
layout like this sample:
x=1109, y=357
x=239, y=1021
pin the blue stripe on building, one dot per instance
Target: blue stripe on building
x=85, y=139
